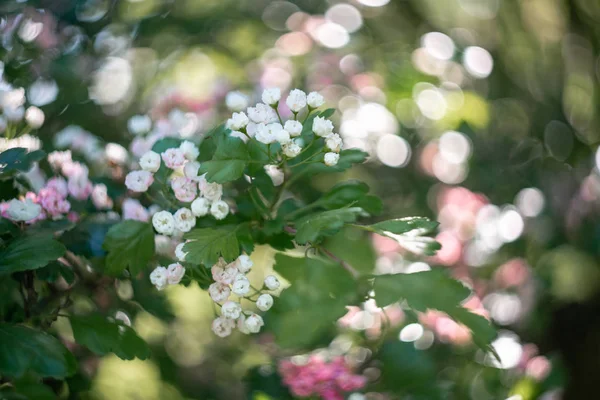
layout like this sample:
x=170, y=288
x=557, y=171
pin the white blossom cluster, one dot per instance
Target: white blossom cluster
x=14, y=111
x=231, y=279
x=203, y=197
x=264, y=124
x=161, y=277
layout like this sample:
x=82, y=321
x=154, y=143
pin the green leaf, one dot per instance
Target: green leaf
x=129, y=244
x=327, y=223
x=7, y=226
x=102, y=336
x=327, y=113
x=257, y=152
x=208, y=244
x=404, y=225
x=54, y=270
x=229, y=161
x=30, y=252
x=318, y=296
x=347, y=159
x=433, y=290
x=164, y=144
x=23, y=349
x=343, y=194
x=18, y=159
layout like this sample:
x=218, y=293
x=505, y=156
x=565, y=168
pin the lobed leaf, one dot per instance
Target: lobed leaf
x=208, y=244
x=130, y=244
x=30, y=252
x=326, y=223
x=229, y=161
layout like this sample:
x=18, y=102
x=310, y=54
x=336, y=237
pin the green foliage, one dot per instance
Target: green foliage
x=102, y=336
x=401, y=226
x=433, y=290
x=229, y=161
x=317, y=297
x=23, y=349
x=29, y=252
x=18, y=159
x=327, y=223
x=129, y=244
x=54, y=270
x=208, y=244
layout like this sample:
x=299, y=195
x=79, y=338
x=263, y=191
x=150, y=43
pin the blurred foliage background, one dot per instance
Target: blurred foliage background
x=482, y=114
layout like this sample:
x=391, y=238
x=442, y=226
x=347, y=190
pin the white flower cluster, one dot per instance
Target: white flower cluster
x=185, y=188
x=263, y=123
x=161, y=277
x=231, y=279
x=12, y=103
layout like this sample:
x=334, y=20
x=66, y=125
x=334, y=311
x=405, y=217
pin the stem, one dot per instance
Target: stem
x=343, y=263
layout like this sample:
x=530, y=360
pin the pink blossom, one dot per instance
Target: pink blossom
x=79, y=187
x=59, y=184
x=100, y=197
x=133, y=209
x=173, y=158
x=53, y=202
x=184, y=188
x=74, y=169
x=73, y=216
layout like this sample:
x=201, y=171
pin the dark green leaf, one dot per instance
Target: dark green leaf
x=7, y=226
x=18, y=159
x=314, y=226
x=129, y=244
x=229, y=161
x=164, y=144
x=327, y=113
x=23, y=349
x=30, y=252
x=319, y=293
x=258, y=154
x=344, y=194
x=208, y=244
x=54, y=270
x=102, y=336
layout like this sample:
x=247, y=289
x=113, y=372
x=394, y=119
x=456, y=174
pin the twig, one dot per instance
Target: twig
x=343, y=263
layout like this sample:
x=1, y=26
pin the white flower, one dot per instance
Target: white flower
x=271, y=282
x=315, y=100
x=190, y=169
x=253, y=323
x=173, y=158
x=296, y=100
x=262, y=113
x=189, y=149
x=239, y=135
x=112, y=82
x=139, y=124
x=236, y=101
x=14, y=98
x=222, y=326
x=138, y=181
x=159, y=277
x=219, y=292
x=292, y=150
x=322, y=126
x=210, y=190
x=276, y=174
x=34, y=117
x=334, y=142
x=264, y=302
x=244, y=263
x=241, y=285
x=225, y=275
x=29, y=30
x=219, y=209
x=331, y=159
x=174, y=273
x=271, y=96
x=115, y=153
x=14, y=114
x=264, y=134
x=294, y=128
x=231, y=310
x=150, y=161
x=241, y=324
x=200, y=207
x=100, y=197
x=179, y=253
x=237, y=121
x=23, y=210
x=42, y=92
x=184, y=220
x=282, y=136
x=163, y=222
